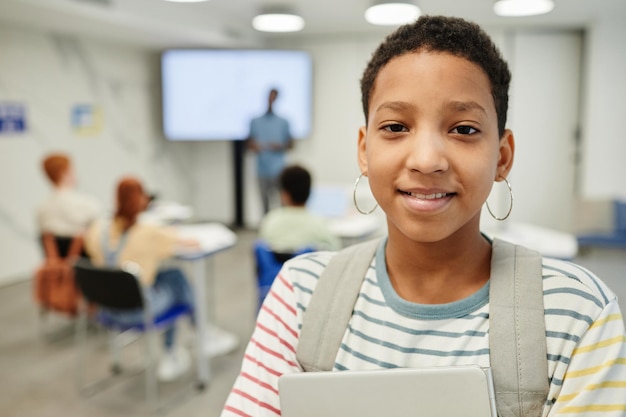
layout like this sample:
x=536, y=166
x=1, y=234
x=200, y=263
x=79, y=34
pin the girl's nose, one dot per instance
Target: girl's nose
x=427, y=153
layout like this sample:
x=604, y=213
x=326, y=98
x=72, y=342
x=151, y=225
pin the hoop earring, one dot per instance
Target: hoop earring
x=356, y=184
x=510, y=203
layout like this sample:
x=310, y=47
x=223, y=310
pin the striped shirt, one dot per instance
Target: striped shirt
x=586, y=340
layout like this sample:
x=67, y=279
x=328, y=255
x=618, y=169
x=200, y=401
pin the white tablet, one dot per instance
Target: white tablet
x=465, y=391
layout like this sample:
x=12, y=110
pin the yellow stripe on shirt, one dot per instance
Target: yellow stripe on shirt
x=604, y=343
x=593, y=408
x=593, y=387
x=593, y=370
x=611, y=317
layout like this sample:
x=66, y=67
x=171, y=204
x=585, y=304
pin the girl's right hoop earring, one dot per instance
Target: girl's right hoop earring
x=356, y=184
x=508, y=213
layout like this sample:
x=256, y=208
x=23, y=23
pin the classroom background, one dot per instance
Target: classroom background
x=60, y=58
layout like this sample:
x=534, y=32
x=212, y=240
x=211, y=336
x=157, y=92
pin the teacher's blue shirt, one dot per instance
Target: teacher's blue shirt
x=266, y=129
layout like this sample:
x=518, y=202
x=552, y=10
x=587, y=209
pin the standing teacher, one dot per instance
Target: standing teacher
x=270, y=139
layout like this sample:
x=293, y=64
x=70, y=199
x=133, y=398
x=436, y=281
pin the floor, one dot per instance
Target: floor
x=37, y=374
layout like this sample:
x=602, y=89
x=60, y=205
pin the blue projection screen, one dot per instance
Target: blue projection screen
x=212, y=94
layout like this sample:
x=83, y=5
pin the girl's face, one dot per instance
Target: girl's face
x=431, y=148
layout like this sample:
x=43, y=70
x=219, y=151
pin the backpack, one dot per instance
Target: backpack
x=54, y=286
x=517, y=341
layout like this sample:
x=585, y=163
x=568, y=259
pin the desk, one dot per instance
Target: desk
x=355, y=227
x=166, y=212
x=334, y=203
x=546, y=241
x=213, y=238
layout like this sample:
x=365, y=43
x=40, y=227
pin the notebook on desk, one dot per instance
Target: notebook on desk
x=211, y=237
x=402, y=392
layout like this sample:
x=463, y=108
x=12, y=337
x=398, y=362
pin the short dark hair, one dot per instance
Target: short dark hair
x=296, y=181
x=450, y=35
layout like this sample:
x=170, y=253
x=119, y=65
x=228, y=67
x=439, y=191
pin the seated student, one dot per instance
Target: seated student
x=292, y=227
x=66, y=212
x=435, y=98
x=122, y=239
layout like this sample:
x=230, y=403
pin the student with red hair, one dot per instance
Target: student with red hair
x=65, y=212
x=123, y=239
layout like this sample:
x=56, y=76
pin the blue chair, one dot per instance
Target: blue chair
x=614, y=239
x=116, y=288
x=268, y=264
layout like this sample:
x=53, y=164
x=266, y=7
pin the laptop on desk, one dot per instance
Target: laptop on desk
x=465, y=391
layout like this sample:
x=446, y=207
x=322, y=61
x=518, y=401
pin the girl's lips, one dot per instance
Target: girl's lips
x=431, y=196
x=428, y=201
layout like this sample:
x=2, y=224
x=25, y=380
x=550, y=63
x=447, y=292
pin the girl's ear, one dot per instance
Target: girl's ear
x=507, y=153
x=361, y=146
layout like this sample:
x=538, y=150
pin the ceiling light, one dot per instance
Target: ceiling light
x=278, y=19
x=392, y=13
x=522, y=7
x=186, y=1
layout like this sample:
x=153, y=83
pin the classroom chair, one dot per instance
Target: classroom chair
x=268, y=264
x=117, y=288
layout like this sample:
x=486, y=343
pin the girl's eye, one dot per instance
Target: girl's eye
x=465, y=130
x=395, y=128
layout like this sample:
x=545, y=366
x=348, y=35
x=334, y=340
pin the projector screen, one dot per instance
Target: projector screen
x=212, y=94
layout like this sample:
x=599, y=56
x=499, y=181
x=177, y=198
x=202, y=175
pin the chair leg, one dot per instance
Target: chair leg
x=114, y=353
x=151, y=364
x=51, y=332
x=43, y=316
x=80, y=339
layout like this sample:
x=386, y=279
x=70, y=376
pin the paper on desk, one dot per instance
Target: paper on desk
x=212, y=237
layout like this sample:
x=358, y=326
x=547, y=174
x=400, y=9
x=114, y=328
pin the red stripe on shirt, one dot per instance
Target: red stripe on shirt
x=256, y=401
x=272, y=352
x=287, y=284
x=279, y=319
x=259, y=382
x=289, y=308
x=236, y=411
x=262, y=365
x=274, y=334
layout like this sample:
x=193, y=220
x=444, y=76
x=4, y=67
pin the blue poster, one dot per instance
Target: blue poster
x=86, y=119
x=12, y=118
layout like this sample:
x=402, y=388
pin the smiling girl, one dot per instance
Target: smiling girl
x=435, y=98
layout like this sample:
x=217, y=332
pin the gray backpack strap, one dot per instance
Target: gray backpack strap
x=328, y=313
x=517, y=331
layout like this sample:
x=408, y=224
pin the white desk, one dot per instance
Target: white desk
x=548, y=242
x=355, y=227
x=213, y=238
x=166, y=212
x=334, y=203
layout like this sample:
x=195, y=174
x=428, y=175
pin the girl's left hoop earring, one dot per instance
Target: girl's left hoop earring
x=508, y=213
x=356, y=184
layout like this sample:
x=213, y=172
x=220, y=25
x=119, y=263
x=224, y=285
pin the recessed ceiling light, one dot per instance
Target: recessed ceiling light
x=278, y=19
x=522, y=7
x=392, y=13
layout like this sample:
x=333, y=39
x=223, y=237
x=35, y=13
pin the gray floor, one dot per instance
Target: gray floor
x=37, y=375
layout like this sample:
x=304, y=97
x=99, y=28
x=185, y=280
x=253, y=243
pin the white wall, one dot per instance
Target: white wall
x=543, y=116
x=49, y=75
x=604, y=145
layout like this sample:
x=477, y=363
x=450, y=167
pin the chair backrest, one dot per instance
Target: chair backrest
x=112, y=288
x=268, y=264
x=620, y=216
x=63, y=246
